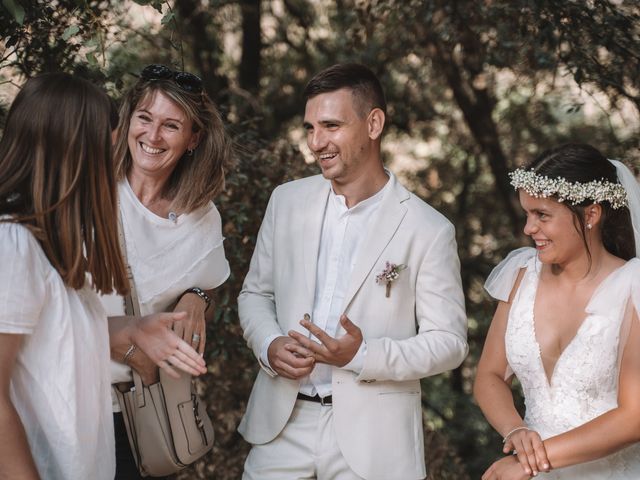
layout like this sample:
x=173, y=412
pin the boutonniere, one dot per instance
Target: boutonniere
x=389, y=275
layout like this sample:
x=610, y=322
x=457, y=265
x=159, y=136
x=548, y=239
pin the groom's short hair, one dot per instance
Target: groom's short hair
x=363, y=83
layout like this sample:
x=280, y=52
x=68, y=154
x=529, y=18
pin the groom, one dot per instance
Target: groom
x=353, y=295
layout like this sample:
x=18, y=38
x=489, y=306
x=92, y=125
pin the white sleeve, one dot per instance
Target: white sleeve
x=264, y=356
x=501, y=280
x=256, y=302
x=635, y=285
x=440, y=343
x=22, y=280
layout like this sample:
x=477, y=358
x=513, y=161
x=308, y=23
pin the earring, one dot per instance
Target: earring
x=589, y=226
x=190, y=151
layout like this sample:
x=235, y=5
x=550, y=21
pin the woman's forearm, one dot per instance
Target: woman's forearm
x=598, y=438
x=121, y=331
x=613, y=430
x=138, y=361
x=16, y=461
x=495, y=399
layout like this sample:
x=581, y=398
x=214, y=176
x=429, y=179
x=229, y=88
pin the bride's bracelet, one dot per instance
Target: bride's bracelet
x=517, y=429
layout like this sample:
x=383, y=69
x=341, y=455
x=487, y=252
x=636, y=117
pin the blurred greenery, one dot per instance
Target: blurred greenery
x=475, y=88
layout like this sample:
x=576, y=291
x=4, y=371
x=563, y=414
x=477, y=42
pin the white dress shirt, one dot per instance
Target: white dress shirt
x=343, y=233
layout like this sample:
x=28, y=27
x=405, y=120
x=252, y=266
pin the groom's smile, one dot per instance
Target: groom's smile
x=338, y=136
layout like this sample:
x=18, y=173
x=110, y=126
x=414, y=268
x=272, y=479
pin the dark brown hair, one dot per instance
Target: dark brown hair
x=198, y=177
x=576, y=162
x=363, y=83
x=56, y=178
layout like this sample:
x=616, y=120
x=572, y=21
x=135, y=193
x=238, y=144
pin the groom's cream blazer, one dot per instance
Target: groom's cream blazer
x=418, y=331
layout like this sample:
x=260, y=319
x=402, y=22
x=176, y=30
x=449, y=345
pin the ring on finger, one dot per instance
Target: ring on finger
x=195, y=338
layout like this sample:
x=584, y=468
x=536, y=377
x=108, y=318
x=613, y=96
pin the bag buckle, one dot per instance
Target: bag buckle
x=124, y=387
x=196, y=416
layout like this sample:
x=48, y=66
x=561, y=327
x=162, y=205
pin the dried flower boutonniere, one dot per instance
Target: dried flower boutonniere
x=389, y=275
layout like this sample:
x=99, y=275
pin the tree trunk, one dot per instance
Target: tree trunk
x=207, y=52
x=477, y=108
x=249, y=72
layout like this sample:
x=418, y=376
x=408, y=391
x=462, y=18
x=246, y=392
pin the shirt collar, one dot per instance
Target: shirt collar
x=341, y=202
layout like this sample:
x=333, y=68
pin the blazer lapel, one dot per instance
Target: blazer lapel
x=390, y=215
x=314, y=208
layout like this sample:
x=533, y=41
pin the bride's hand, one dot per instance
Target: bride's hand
x=506, y=468
x=530, y=451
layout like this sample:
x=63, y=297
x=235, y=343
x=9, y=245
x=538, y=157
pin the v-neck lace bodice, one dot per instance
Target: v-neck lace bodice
x=584, y=381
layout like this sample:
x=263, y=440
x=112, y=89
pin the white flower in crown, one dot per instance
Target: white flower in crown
x=597, y=191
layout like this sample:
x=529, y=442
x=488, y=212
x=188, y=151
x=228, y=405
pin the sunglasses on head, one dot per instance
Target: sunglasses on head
x=185, y=80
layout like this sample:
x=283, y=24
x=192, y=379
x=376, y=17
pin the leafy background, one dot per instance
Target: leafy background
x=475, y=88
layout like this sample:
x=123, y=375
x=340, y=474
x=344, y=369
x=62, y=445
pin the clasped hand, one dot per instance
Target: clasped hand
x=330, y=350
x=530, y=451
x=294, y=356
x=193, y=328
x=507, y=468
x=531, y=458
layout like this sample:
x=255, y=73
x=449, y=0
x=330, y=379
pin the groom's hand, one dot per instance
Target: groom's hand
x=285, y=362
x=332, y=351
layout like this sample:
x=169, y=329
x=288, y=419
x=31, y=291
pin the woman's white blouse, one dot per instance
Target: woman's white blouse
x=60, y=382
x=166, y=258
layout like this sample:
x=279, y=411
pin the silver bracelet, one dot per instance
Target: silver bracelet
x=201, y=293
x=517, y=429
x=130, y=351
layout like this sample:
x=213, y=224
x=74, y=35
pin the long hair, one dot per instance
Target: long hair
x=582, y=163
x=198, y=176
x=56, y=178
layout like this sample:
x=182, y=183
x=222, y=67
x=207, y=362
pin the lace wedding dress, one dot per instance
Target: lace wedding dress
x=584, y=381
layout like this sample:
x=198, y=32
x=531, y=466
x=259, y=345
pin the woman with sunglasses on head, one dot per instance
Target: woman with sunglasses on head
x=58, y=245
x=171, y=152
x=567, y=324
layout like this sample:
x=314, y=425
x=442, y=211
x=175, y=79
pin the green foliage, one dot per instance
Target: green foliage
x=49, y=36
x=15, y=9
x=157, y=4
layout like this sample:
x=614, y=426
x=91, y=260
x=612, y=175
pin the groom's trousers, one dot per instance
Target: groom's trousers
x=306, y=449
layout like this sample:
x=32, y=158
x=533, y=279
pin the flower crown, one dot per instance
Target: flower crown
x=573, y=192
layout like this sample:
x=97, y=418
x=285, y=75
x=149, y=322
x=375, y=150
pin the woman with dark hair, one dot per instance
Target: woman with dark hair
x=58, y=244
x=171, y=153
x=567, y=324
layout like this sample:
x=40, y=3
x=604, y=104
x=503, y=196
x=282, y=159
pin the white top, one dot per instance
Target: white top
x=60, y=382
x=584, y=382
x=166, y=258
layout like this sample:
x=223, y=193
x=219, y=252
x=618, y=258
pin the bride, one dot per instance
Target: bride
x=567, y=324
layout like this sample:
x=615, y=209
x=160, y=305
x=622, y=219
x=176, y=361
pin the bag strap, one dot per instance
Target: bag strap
x=131, y=304
x=129, y=423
